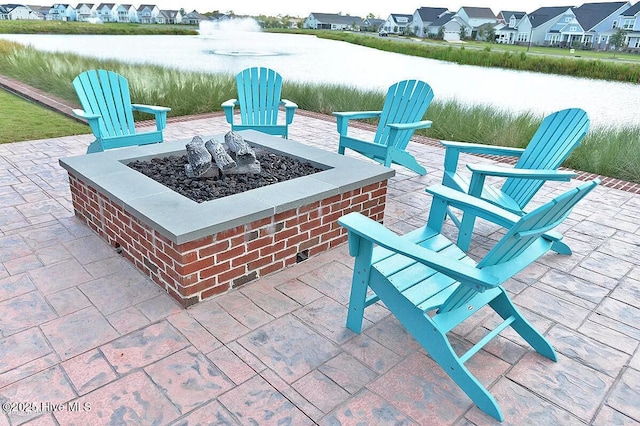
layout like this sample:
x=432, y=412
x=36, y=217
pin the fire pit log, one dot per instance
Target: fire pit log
x=219, y=154
x=199, y=160
x=245, y=155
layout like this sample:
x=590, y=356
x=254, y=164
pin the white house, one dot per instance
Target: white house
x=194, y=18
x=84, y=11
x=397, y=23
x=147, y=13
x=454, y=27
x=476, y=17
x=508, y=26
x=332, y=21
x=424, y=17
x=107, y=12
x=127, y=13
x=19, y=12
x=62, y=12
x=630, y=21
x=169, y=17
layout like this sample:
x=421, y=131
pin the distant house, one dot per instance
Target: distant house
x=424, y=17
x=454, y=26
x=331, y=21
x=4, y=13
x=41, y=12
x=593, y=25
x=436, y=28
x=84, y=11
x=542, y=25
x=19, y=12
x=127, y=13
x=397, y=23
x=476, y=17
x=372, y=24
x=507, y=28
x=169, y=17
x=194, y=18
x=107, y=12
x=630, y=21
x=62, y=12
x=147, y=13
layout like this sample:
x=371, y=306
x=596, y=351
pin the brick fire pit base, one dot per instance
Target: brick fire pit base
x=195, y=251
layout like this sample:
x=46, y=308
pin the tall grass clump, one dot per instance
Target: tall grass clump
x=609, y=152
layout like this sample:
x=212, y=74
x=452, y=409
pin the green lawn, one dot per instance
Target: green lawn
x=21, y=120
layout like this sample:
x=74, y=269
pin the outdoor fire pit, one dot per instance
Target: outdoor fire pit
x=195, y=250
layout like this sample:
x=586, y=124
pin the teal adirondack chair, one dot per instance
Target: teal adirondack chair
x=259, y=101
x=403, y=111
x=558, y=135
x=432, y=286
x=106, y=102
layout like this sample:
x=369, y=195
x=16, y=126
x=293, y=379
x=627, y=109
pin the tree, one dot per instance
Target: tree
x=371, y=16
x=440, y=35
x=617, y=40
x=463, y=33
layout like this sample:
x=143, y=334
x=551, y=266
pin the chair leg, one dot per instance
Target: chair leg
x=94, y=146
x=407, y=160
x=561, y=248
x=505, y=308
x=465, y=231
x=435, y=342
x=341, y=149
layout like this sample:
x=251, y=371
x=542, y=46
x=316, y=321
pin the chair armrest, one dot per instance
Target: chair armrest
x=467, y=203
x=159, y=112
x=290, y=109
x=491, y=170
x=228, y=106
x=82, y=114
x=151, y=109
x=363, y=227
x=477, y=148
x=342, y=118
x=357, y=115
x=411, y=126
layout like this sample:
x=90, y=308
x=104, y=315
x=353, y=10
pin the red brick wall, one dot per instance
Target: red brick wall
x=196, y=270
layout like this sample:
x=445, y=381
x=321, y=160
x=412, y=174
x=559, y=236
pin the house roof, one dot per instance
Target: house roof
x=374, y=21
x=430, y=14
x=479, y=12
x=446, y=17
x=109, y=5
x=399, y=16
x=337, y=19
x=169, y=13
x=633, y=10
x=545, y=14
x=142, y=6
x=508, y=14
x=591, y=14
x=89, y=5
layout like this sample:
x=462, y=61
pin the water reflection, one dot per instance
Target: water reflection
x=305, y=58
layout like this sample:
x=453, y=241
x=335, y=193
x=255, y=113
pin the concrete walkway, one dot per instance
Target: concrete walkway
x=86, y=339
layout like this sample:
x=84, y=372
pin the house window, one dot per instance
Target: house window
x=567, y=18
x=573, y=28
x=636, y=42
x=629, y=24
x=615, y=24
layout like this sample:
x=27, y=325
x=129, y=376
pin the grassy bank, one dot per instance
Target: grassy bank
x=59, y=27
x=496, y=56
x=609, y=152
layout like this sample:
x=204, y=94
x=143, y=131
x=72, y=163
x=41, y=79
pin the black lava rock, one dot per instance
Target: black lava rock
x=169, y=171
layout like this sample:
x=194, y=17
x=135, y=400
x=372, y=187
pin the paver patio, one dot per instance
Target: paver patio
x=86, y=334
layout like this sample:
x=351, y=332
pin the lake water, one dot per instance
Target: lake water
x=309, y=59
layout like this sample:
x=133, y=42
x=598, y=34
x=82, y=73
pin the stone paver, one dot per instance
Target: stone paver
x=80, y=327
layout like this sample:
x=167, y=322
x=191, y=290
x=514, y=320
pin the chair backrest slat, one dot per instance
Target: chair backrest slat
x=558, y=135
x=406, y=102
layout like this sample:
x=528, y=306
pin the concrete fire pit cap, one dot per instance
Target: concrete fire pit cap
x=182, y=220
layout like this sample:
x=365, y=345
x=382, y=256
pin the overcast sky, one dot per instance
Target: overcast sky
x=380, y=8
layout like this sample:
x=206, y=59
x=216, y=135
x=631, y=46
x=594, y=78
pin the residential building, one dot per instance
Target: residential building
x=169, y=17
x=454, y=26
x=507, y=29
x=147, y=13
x=372, y=24
x=331, y=21
x=4, y=13
x=398, y=23
x=126, y=13
x=424, y=17
x=630, y=21
x=19, y=12
x=62, y=12
x=194, y=18
x=594, y=23
x=84, y=11
x=476, y=17
x=107, y=12
x=437, y=28
x=541, y=27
